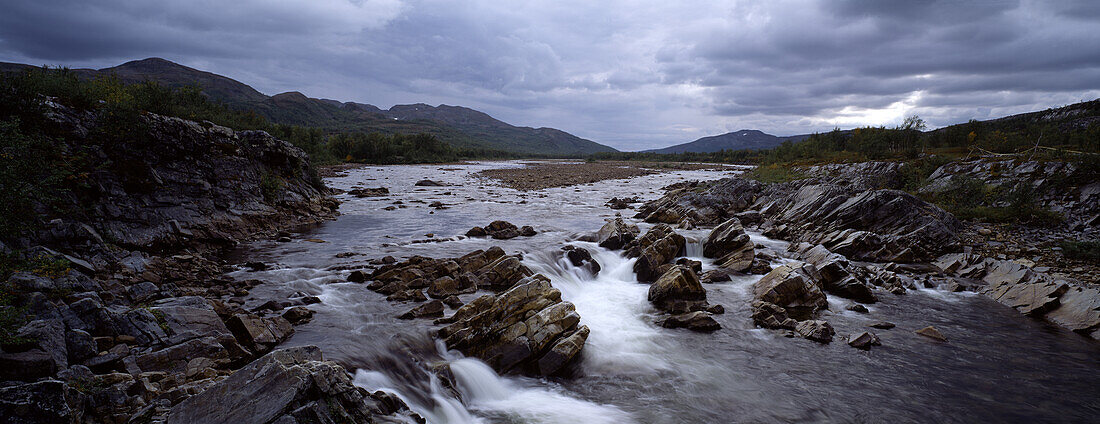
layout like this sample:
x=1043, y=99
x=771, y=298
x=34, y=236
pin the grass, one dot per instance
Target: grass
x=1082, y=250
x=775, y=173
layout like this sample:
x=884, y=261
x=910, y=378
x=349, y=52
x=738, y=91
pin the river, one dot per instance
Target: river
x=998, y=365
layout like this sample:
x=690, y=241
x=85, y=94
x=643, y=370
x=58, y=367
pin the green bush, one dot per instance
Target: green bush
x=1082, y=250
x=775, y=173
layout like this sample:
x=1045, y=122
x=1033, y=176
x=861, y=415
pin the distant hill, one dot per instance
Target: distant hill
x=739, y=140
x=458, y=126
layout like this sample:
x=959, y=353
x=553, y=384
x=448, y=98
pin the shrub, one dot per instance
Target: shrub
x=775, y=174
x=1082, y=250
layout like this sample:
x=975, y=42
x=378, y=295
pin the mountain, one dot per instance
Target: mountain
x=458, y=126
x=739, y=140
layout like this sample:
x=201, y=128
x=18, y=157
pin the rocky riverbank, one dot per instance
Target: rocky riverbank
x=858, y=240
x=120, y=313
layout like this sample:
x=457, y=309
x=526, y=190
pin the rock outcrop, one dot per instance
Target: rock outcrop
x=794, y=288
x=502, y=230
x=729, y=243
x=527, y=328
x=616, y=234
x=657, y=248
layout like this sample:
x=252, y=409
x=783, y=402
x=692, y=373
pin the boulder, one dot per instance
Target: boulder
x=190, y=317
x=695, y=321
x=857, y=308
x=476, y=232
x=582, y=258
x=41, y=402
x=677, y=285
x=429, y=183
x=175, y=358
x=657, y=247
x=616, y=234
x=285, y=386
x=816, y=330
x=1079, y=310
x=369, y=192
x=883, y=325
x=515, y=330
x=729, y=243
x=1032, y=298
x=864, y=340
x=357, y=276
x=794, y=288
x=258, y=334
x=836, y=277
x=443, y=287
x=298, y=315
x=714, y=276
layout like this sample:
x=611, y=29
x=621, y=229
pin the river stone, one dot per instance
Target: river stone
x=816, y=330
x=836, y=276
x=298, y=315
x=932, y=333
x=447, y=286
x=45, y=402
x=282, y=387
x=864, y=340
x=563, y=351
x=616, y=234
x=1079, y=310
x=882, y=325
x=433, y=309
x=770, y=315
x=582, y=258
x=512, y=331
x=793, y=288
x=677, y=284
x=695, y=321
x=258, y=334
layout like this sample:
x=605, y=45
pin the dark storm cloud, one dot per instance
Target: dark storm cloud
x=631, y=74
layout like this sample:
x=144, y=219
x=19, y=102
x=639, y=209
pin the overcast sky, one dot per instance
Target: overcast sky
x=630, y=74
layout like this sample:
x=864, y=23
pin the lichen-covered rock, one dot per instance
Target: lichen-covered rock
x=794, y=288
x=517, y=329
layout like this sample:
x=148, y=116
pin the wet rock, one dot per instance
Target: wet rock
x=258, y=334
x=582, y=258
x=1032, y=298
x=794, y=288
x=659, y=246
x=437, y=205
x=932, y=333
x=285, y=386
x=714, y=276
x=857, y=308
x=175, y=358
x=433, y=309
x=864, y=340
x=695, y=321
x=429, y=183
x=836, y=276
x=616, y=234
x=411, y=295
x=770, y=315
x=357, y=276
x=453, y=301
x=729, y=243
x=696, y=266
x=882, y=325
x=48, y=401
x=678, y=285
x=527, y=231
x=476, y=232
x=516, y=329
x=298, y=315
x=816, y=330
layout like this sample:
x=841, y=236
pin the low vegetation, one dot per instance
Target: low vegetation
x=775, y=173
x=1081, y=250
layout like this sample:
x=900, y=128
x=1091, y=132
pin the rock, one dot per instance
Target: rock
x=527, y=231
x=298, y=315
x=731, y=245
x=695, y=321
x=429, y=183
x=27, y=365
x=1078, y=310
x=516, y=329
x=433, y=309
x=437, y=205
x=143, y=292
x=446, y=286
x=864, y=340
x=411, y=295
x=714, y=276
x=677, y=285
x=793, y=288
x=882, y=325
x=175, y=358
x=659, y=246
x=453, y=301
x=836, y=276
x=191, y=317
x=502, y=273
x=476, y=232
x=284, y=386
x=255, y=266
x=932, y=333
x=47, y=335
x=616, y=234
x=80, y=345
x=770, y=315
x=357, y=276
x=1032, y=298
x=45, y=402
x=582, y=258
x=818, y=331
x=857, y=308
x=258, y=334
x=696, y=266
x=369, y=192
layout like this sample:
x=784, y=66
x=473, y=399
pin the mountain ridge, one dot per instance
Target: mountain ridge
x=456, y=125
x=737, y=140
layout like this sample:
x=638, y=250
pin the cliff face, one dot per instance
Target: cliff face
x=180, y=183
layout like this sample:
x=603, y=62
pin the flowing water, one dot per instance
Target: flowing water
x=998, y=365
